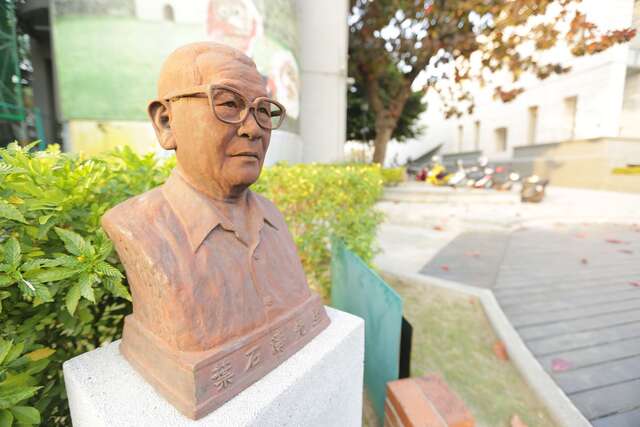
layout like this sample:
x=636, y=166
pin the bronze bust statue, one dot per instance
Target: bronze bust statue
x=219, y=294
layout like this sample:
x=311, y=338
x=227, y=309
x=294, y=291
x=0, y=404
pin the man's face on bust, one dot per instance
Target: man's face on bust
x=219, y=158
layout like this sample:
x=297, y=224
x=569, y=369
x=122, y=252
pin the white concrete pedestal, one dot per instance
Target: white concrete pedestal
x=320, y=385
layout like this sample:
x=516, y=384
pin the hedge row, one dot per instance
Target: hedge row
x=62, y=287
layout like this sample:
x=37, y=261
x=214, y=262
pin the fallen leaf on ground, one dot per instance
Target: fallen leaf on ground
x=500, y=351
x=438, y=228
x=560, y=365
x=517, y=422
x=444, y=267
x=626, y=251
x=635, y=283
x=615, y=241
x=584, y=261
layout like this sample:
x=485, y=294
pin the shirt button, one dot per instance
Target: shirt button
x=268, y=301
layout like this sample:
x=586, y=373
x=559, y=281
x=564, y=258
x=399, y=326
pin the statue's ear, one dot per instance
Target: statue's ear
x=161, y=120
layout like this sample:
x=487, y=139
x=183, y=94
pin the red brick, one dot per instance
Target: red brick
x=407, y=406
x=424, y=402
x=450, y=407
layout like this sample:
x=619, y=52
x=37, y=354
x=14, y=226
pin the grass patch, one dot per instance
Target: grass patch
x=452, y=336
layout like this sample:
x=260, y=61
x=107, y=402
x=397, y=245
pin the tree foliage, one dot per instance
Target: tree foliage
x=361, y=119
x=457, y=42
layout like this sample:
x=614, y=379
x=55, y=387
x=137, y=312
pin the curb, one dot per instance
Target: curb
x=543, y=386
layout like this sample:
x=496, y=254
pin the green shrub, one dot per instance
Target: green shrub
x=393, y=176
x=319, y=201
x=62, y=288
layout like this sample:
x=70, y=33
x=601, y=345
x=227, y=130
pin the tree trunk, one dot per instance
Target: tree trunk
x=383, y=135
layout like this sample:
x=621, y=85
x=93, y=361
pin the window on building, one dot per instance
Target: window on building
x=476, y=136
x=501, y=139
x=533, y=125
x=570, y=108
x=460, y=138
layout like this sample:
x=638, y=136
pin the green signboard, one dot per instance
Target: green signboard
x=358, y=290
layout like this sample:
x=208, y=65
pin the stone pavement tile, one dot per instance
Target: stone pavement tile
x=472, y=258
x=590, y=323
x=593, y=355
x=600, y=402
x=604, y=374
x=530, y=319
x=560, y=344
x=624, y=419
x=523, y=298
x=568, y=300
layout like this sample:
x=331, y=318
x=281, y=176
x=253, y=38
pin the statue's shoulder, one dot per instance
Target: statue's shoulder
x=136, y=214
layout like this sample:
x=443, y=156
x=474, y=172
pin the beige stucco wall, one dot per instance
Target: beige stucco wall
x=589, y=164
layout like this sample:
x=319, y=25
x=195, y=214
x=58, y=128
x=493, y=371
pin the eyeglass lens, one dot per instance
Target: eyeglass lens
x=231, y=107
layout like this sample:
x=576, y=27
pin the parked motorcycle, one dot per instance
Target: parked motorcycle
x=438, y=174
x=459, y=178
x=533, y=189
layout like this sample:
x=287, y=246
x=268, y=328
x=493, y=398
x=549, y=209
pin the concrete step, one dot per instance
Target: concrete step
x=420, y=192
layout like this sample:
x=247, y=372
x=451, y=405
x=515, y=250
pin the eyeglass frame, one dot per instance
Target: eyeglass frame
x=208, y=89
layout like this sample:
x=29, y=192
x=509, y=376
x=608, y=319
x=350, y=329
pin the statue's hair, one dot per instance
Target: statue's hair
x=182, y=68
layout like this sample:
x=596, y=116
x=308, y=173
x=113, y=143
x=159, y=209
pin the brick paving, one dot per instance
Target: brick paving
x=573, y=294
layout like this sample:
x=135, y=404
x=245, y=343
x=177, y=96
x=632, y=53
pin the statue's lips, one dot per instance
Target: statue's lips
x=246, y=154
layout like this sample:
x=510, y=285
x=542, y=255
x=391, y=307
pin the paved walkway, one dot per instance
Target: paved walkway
x=570, y=288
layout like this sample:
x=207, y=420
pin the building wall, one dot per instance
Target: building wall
x=586, y=103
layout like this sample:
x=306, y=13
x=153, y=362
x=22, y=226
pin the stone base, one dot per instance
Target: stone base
x=320, y=385
x=198, y=382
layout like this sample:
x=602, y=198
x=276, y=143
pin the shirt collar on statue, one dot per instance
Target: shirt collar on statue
x=197, y=213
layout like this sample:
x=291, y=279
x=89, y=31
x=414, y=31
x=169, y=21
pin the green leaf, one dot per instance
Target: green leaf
x=74, y=242
x=108, y=270
x=41, y=353
x=9, y=211
x=27, y=288
x=62, y=260
x=51, y=274
x=38, y=366
x=5, y=347
x=15, y=352
x=6, y=280
x=116, y=288
x=12, y=252
x=17, y=380
x=32, y=264
x=42, y=292
x=26, y=414
x=86, y=281
x=105, y=249
x=44, y=218
x=9, y=397
x=72, y=298
x=6, y=418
